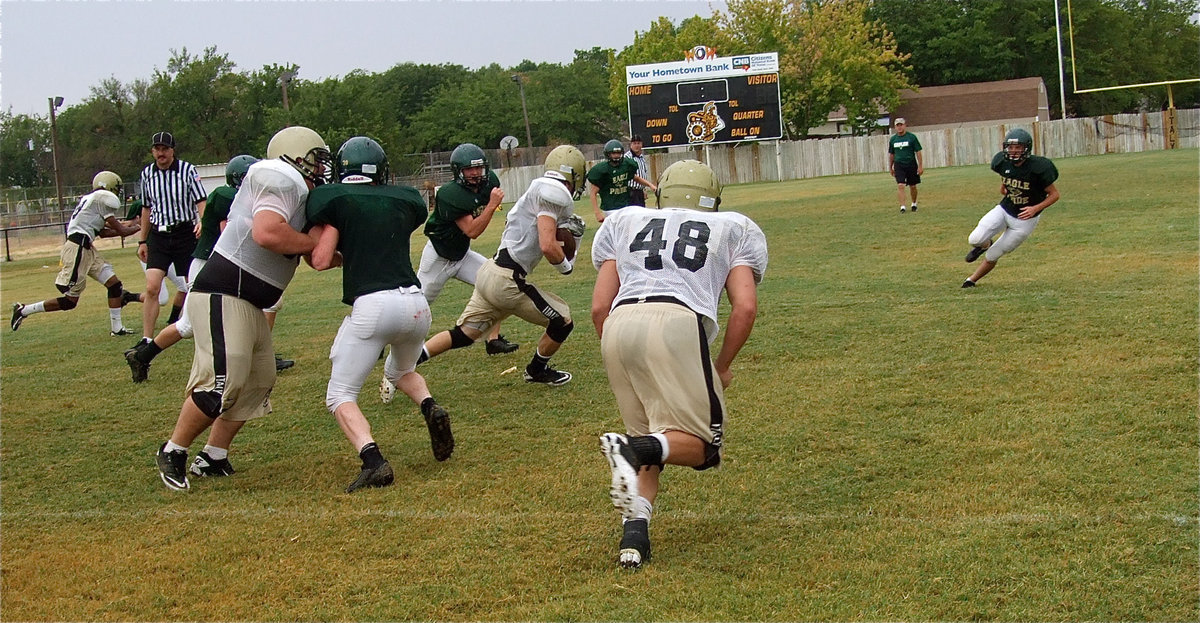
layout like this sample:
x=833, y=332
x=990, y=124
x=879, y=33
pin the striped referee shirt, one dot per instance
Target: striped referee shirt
x=172, y=194
x=643, y=171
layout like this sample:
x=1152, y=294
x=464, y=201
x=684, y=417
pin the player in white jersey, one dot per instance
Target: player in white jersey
x=233, y=370
x=94, y=217
x=661, y=275
x=501, y=289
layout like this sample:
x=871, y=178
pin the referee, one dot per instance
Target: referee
x=172, y=203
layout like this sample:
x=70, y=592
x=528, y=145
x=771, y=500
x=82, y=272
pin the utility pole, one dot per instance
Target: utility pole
x=54, y=103
x=528, y=137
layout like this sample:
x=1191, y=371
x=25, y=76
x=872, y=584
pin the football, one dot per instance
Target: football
x=567, y=241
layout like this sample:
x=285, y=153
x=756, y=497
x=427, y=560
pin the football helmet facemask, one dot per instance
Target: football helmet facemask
x=689, y=184
x=1018, y=145
x=235, y=171
x=107, y=180
x=469, y=156
x=305, y=150
x=614, y=151
x=361, y=160
x=567, y=164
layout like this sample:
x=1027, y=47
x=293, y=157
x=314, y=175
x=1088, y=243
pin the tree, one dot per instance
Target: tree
x=830, y=55
x=661, y=43
x=1116, y=42
x=24, y=151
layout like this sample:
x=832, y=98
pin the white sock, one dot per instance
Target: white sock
x=114, y=319
x=903, y=207
x=666, y=446
x=914, y=204
x=216, y=453
x=642, y=509
x=172, y=447
x=33, y=308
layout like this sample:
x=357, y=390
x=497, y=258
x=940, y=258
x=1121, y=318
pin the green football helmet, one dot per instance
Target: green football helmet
x=689, y=184
x=107, y=180
x=614, y=151
x=1022, y=141
x=469, y=156
x=305, y=150
x=235, y=171
x=361, y=160
x=566, y=163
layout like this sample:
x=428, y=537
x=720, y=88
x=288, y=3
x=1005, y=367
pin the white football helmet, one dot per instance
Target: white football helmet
x=305, y=150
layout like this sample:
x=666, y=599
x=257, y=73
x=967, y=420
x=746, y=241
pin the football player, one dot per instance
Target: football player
x=462, y=211
x=610, y=180
x=95, y=216
x=233, y=370
x=1027, y=186
x=363, y=224
x=661, y=275
x=501, y=285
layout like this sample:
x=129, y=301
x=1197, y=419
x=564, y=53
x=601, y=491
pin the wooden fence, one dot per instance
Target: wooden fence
x=949, y=147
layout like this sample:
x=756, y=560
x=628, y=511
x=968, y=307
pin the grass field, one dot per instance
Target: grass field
x=899, y=448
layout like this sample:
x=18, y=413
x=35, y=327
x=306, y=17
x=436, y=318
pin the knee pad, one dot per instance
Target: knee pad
x=209, y=402
x=712, y=457
x=116, y=290
x=66, y=303
x=559, y=329
x=458, y=339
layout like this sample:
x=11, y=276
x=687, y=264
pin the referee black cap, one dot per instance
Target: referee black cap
x=163, y=138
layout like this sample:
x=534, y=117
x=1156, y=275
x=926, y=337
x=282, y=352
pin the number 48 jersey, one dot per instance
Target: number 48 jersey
x=679, y=253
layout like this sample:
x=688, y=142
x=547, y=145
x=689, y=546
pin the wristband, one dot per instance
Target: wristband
x=141, y=242
x=564, y=266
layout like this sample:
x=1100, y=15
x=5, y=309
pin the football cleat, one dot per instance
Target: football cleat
x=204, y=465
x=381, y=476
x=387, y=390
x=440, y=437
x=17, y=318
x=128, y=297
x=548, y=376
x=902, y=209
x=968, y=284
x=140, y=369
x=914, y=207
x=282, y=364
x=624, y=465
x=172, y=468
x=500, y=346
x=974, y=253
x=635, y=544
x=122, y=332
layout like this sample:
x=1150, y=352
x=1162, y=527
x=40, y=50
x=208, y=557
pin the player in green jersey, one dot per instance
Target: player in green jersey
x=610, y=180
x=363, y=225
x=1028, y=188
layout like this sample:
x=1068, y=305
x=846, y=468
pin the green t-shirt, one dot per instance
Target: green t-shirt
x=135, y=210
x=904, y=148
x=1026, y=183
x=374, y=226
x=216, y=209
x=455, y=201
x=613, y=182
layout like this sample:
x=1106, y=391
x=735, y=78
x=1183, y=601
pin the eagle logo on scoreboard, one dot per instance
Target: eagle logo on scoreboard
x=703, y=125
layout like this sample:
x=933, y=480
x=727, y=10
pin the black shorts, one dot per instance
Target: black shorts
x=174, y=247
x=637, y=197
x=906, y=173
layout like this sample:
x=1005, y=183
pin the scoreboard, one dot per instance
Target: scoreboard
x=705, y=100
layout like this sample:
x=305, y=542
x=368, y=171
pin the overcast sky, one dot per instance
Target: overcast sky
x=50, y=48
